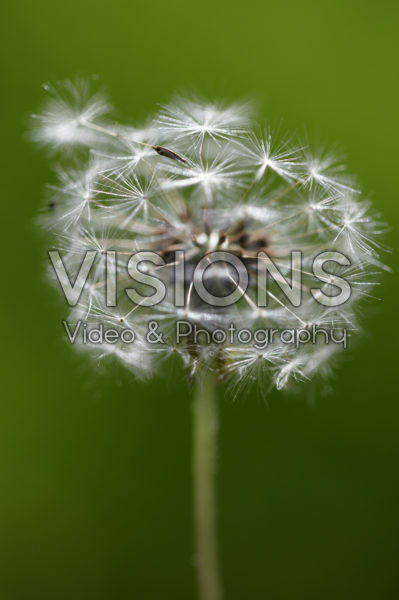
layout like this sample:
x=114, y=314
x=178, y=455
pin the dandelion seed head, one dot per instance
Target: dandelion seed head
x=196, y=179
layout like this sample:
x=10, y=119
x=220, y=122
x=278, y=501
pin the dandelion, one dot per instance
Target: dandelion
x=197, y=188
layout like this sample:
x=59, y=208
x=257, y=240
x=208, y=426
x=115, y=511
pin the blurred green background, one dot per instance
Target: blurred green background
x=95, y=497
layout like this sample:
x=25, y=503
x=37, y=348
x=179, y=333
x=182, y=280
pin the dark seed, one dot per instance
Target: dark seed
x=255, y=244
x=168, y=153
x=243, y=239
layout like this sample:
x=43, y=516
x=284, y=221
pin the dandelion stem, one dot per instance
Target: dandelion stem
x=204, y=466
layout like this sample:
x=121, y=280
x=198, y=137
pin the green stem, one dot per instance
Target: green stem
x=204, y=466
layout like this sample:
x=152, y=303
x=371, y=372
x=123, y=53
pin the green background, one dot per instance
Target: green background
x=95, y=497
